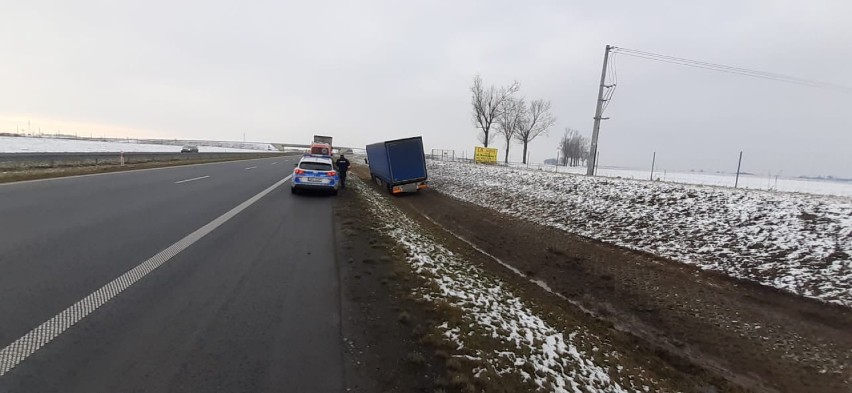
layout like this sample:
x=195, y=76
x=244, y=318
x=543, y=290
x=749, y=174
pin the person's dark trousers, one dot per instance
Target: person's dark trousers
x=342, y=179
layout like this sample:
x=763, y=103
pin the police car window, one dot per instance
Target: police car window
x=315, y=166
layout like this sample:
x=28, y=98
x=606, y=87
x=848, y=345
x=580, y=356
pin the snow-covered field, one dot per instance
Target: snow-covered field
x=528, y=346
x=797, y=242
x=50, y=145
x=754, y=182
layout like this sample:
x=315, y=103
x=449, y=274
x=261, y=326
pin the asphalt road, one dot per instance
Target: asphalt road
x=251, y=306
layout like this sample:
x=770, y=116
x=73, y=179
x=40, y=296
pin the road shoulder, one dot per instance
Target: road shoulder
x=381, y=325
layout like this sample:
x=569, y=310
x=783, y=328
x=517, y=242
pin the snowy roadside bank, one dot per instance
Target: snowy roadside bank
x=764, y=182
x=521, y=343
x=796, y=242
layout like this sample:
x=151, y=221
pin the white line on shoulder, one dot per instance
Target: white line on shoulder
x=22, y=348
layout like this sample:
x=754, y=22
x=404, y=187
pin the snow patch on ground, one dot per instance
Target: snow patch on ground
x=528, y=346
x=800, y=243
x=768, y=182
x=54, y=145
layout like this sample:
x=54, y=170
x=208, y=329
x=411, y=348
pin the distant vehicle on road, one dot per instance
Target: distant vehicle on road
x=323, y=139
x=321, y=149
x=398, y=165
x=315, y=172
x=189, y=149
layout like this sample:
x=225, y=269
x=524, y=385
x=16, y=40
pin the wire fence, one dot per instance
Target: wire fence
x=768, y=182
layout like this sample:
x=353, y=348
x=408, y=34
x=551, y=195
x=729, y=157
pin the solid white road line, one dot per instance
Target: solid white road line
x=25, y=346
x=193, y=179
x=251, y=167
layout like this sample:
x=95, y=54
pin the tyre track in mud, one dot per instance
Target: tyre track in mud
x=755, y=337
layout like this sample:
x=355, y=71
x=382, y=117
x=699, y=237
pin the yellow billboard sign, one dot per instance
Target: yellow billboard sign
x=485, y=155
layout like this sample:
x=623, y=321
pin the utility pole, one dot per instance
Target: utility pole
x=597, y=163
x=653, y=161
x=556, y=167
x=737, y=180
x=593, y=151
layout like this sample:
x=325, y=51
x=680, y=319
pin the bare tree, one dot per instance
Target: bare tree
x=574, y=148
x=486, y=103
x=533, y=122
x=564, y=147
x=509, y=120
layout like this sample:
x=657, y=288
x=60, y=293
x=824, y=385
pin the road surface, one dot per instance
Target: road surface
x=195, y=278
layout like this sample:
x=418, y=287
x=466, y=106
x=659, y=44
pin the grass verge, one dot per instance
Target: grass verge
x=498, y=334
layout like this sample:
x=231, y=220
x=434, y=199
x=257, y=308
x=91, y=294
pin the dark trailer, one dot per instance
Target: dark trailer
x=399, y=165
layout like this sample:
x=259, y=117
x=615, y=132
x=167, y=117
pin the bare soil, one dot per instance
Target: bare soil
x=720, y=333
x=381, y=326
x=461, y=368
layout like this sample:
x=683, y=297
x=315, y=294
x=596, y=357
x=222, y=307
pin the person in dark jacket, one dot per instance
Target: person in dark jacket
x=342, y=167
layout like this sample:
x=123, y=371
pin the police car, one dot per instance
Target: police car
x=315, y=172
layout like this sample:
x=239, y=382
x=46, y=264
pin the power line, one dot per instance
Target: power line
x=613, y=75
x=733, y=70
x=638, y=52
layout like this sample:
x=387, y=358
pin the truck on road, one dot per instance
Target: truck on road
x=323, y=139
x=399, y=165
x=321, y=148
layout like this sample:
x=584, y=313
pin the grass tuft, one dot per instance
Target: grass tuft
x=404, y=317
x=416, y=358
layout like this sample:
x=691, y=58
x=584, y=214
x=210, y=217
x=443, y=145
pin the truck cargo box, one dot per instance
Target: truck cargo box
x=399, y=165
x=322, y=139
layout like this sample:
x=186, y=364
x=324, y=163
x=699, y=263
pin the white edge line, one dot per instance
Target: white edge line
x=193, y=179
x=22, y=348
x=12, y=183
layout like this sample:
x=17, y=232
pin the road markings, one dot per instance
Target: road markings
x=251, y=167
x=50, y=179
x=274, y=163
x=193, y=179
x=22, y=348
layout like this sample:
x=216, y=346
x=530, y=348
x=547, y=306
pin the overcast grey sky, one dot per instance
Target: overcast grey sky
x=368, y=71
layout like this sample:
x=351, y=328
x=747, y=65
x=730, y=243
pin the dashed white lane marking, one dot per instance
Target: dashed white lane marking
x=251, y=167
x=25, y=346
x=275, y=163
x=193, y=179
